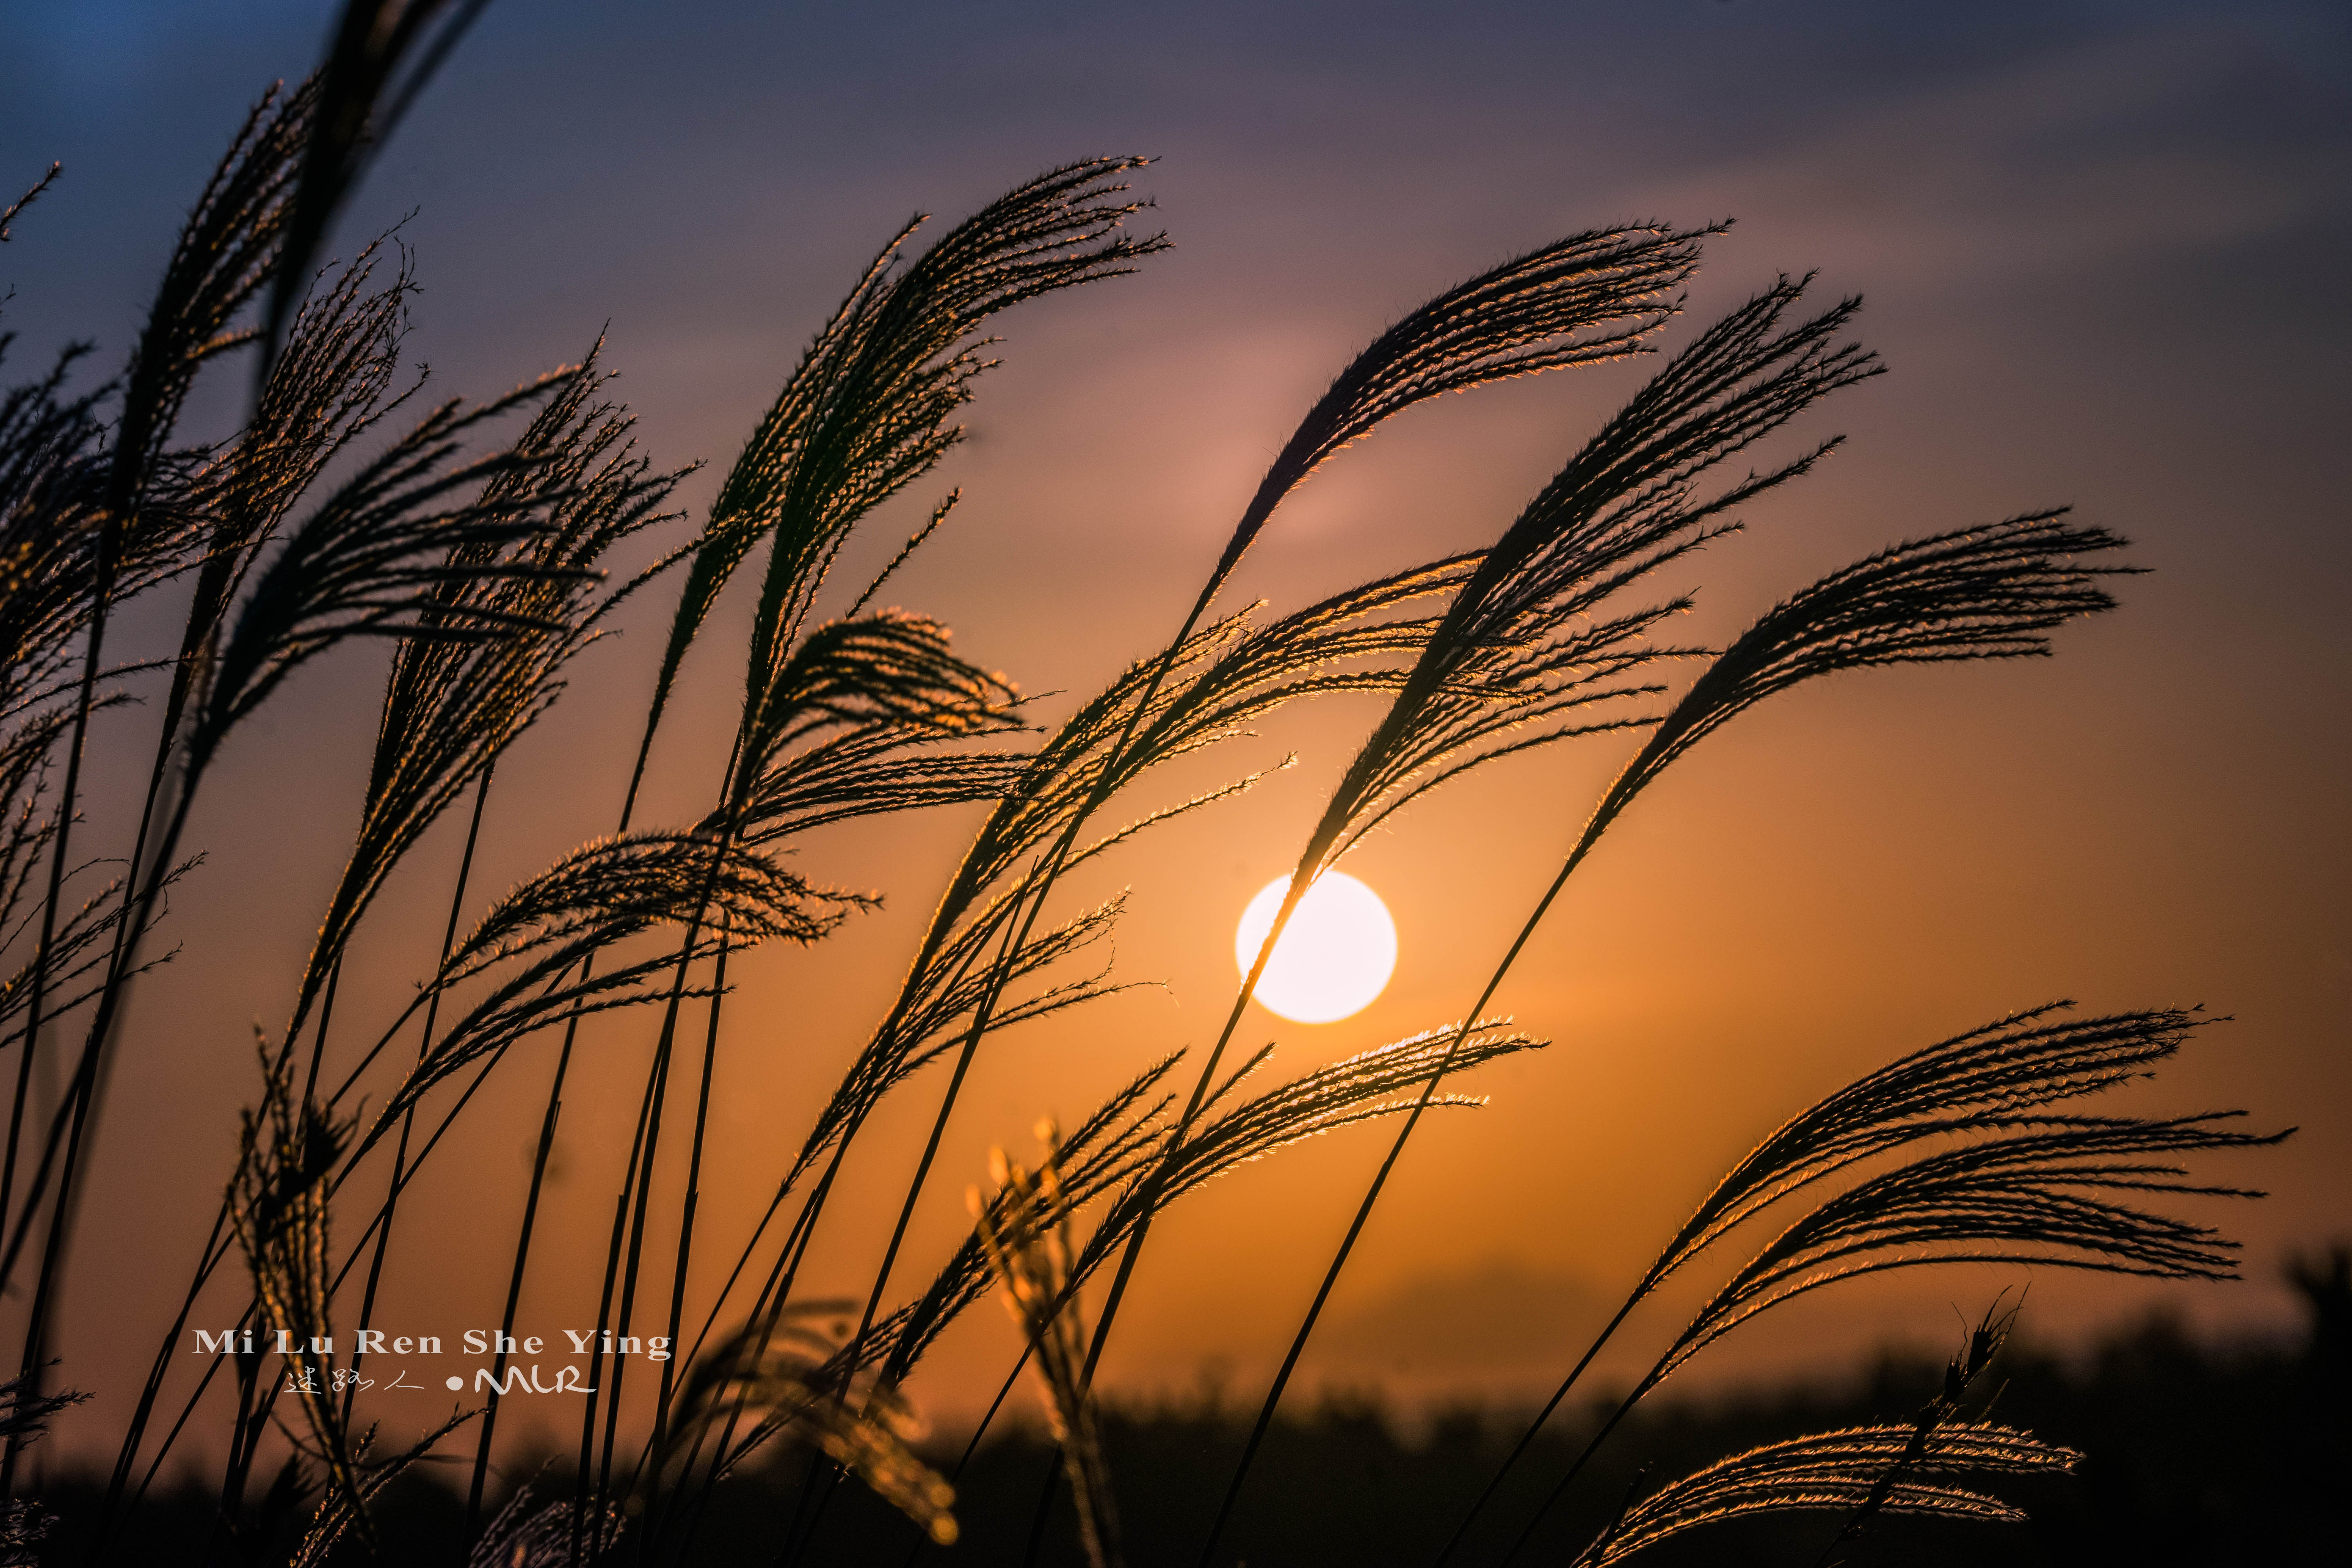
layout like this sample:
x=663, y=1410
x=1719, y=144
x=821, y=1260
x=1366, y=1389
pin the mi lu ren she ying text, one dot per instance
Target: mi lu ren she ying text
x=382, y=1342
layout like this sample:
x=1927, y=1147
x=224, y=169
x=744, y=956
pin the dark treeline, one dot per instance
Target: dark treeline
x=2195, y=1451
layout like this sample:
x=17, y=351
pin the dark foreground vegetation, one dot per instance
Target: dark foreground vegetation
x=2195, y=1451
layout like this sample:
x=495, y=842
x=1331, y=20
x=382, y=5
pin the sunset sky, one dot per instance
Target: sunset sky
x=2102, y=250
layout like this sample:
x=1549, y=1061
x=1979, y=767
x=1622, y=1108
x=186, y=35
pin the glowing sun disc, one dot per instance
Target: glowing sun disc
x=1336, y=954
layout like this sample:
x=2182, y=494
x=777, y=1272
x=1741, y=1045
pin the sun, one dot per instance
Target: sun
x=1335, y=956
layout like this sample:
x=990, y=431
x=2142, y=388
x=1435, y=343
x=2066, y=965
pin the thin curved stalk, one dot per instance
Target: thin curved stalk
x=1019, y=933
x=1371, y=1196
x=638, y=1183
x=656, y=1447
x=1527, y=1439
x=72, y=1122
x=585, y=1506
x=514, y=1286
x=538, y=1176
x=424, y=1049
x=110, y=525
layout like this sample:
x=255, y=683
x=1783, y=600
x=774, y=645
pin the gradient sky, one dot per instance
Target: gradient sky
x=2102, y=248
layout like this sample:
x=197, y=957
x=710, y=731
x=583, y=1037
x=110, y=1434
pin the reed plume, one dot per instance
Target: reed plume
x=1842, y=1469
x=2019, y=1184
x=1865, y=1470
x=341, y=1512
x=25, y=1413
x=864, y=413
x=1114, y=1154
x=1024, y=1233
x=530, y=1533
x=382, y=54
x=278, y=1207
x=454, y=703
x=789, y=1378
x=594, y=898
x=1517, y=644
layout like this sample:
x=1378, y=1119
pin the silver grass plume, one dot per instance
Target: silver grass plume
x=1977, y=1350
x=223, y=502
x=1859, y=1469
x=2022, y=1196
x=1024, y=1228
x=74, y=951
x=126, y=514
x=1986, y=1080
x=373, y=560
x=134, y=507
x=1992, y=592
x=1228, y=675
x=340, y=1511
x=787, y=1374
x=1518, y=645
x=529, y=1534
x=1585, y=299
x=2022, y=1187
x=1115, y=1153
x=231, y=247
x=868, y=688
x=597, y=896
x=39, y=188
x=333, y=384
x=871, y=770
x=866, y=412
x=1581, y=300
x=53, y=467
x=1338, y=1094
x=863, y=415
x=25, y=1413
x=1986, y=1077
x=1102, y=1153
x=1842, y=1469
x=278, y=1208
x=382, y=55
x=452, y=706
x=1995, y=591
